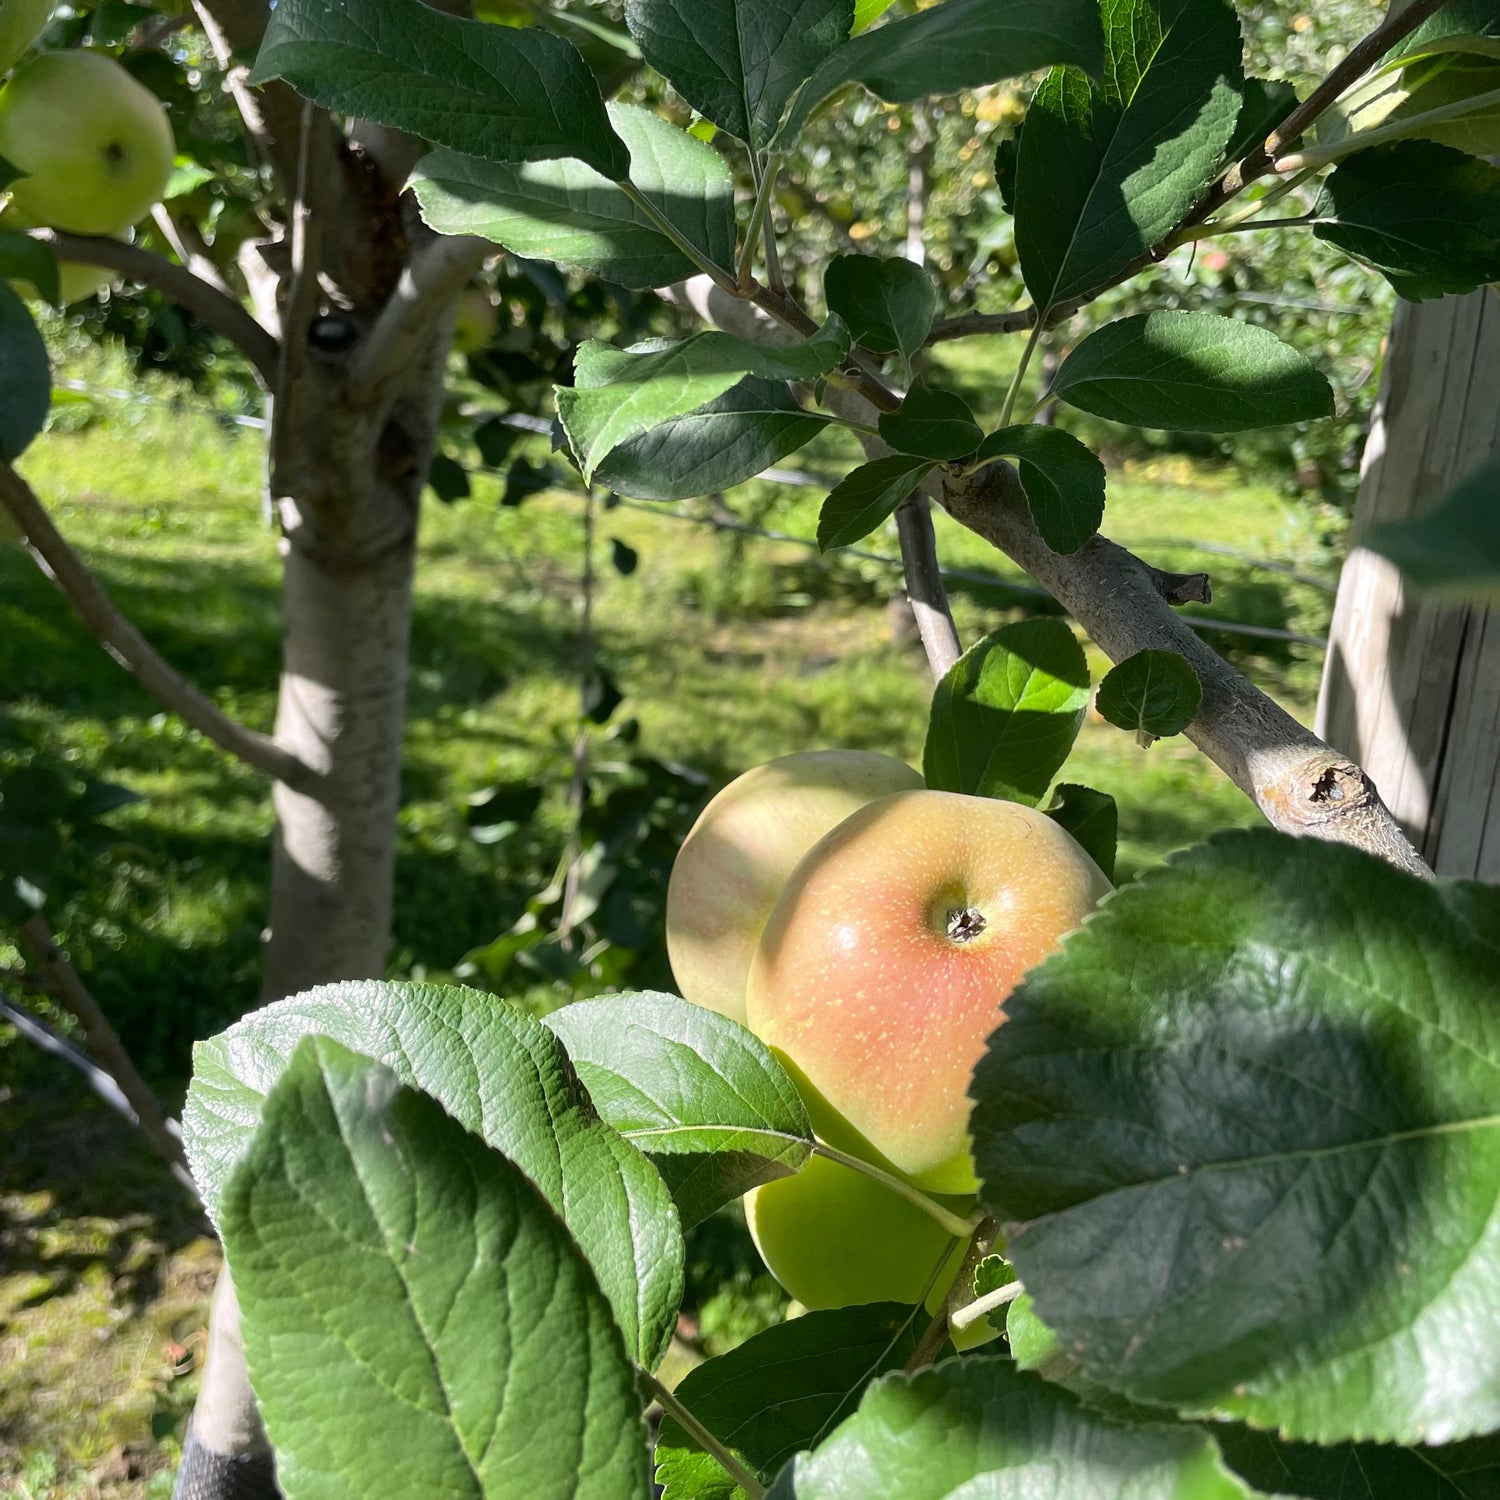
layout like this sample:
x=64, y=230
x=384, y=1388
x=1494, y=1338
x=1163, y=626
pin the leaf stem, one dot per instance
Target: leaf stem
x=753, y=1488
x=1322, y=156
x=1015, y=382
x=710, y=268
x=1232, y=221
x=964, y=1317
x=959, y=1228
x=765, y=175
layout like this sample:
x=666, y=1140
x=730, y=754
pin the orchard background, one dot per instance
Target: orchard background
x=585, y=667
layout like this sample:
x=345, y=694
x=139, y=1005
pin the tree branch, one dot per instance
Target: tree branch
x=434, y=276
x=966, y=324
x=131, y=649
x=220, y=312
x=68, y=989
x=1302, y=786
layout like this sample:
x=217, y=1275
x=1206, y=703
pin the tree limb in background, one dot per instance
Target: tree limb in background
x=1302, y=786
x=433, y=278
x=221, y=312
x=86, y=595
x=66, y=986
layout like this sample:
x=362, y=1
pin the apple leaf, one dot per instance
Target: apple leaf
x=1363, y=1471
x=1092, y=818
x=565, y=211
x=1152, y=693
x=977, y=1426
x=735, y=437
x=783, y=1390
x=700, y=1094
x=1006, y=714
x=866, y=496
x=1426, y=216
x=1453, y=548
x=990, y=1275
x=1063, y=481
x=738, y=62
x=25, y=259
x=499, y=1073
x=417, y=1320
x=618, y=393
x=25, y=377
x=1242, y=1131
x=931, y=423
x=888, y=304
x=1192, y=372
x=1106, y=171
x=495, y=92
x=961, y=44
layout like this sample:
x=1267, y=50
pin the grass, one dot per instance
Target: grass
x=731, y=650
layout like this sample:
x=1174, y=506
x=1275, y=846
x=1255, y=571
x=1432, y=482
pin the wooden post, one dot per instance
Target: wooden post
x=1411, y=686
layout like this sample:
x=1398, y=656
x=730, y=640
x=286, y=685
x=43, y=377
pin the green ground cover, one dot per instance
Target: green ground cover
x=730, y=649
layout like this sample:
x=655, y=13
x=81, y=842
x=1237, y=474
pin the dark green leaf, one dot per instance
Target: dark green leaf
x=1458, y=17
x=1192, y=372
x=567, y=212
x=1092, y=818
x=1007, y=158
x=1363, y=1471
x=601, y=695
x=698, y=1092
x=25, y=377
x=1006, y=714
x=1453, y=548
x=622, y=392
x=931, y=423
x=417, y=1320
x=889, y=304
x=980, y=1427
x=785, y=1389
x=1264, y=104
x=490, y=91
x=499, y=1073
x=1106, y=171
x=960, y=44
x=9, y=173
x=495, y=438
x=865, y=496
x=1244, y=1129
x=25, y=259
x=992, y=1274
x=1063, y=481
x=447, y=478
x=735, y=437
x=1152, y=693
x=738, y=62
x=624, y=557
x=1426, y=216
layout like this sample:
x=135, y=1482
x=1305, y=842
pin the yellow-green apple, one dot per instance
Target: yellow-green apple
x=746, y=843
x=885, y=963
x=473, y=320
x=21, y=23
x=95, y=144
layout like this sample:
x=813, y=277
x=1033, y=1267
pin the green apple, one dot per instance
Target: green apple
x=890, y=952
x=21, y=23
x=737, y=857
x=474, y=320
x=95, y=144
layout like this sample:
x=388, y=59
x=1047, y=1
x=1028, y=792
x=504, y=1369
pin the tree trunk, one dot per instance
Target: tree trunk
x=1411, y=687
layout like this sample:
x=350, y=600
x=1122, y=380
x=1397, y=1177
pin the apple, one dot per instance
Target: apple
x=474, y=321
x=739, y=854
x=95, y=144
x=885, y=963
x=21, y=23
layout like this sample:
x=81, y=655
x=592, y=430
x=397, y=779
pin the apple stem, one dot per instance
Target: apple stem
x=962, y=1317
x=753, y=1488
x=959, y=1228
x=931, y=1342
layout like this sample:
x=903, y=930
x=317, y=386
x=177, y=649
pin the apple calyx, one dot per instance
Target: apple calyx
x=964, y=924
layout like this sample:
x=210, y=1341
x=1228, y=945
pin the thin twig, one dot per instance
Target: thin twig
x=220, y=312
x=434, y=276
x=1182, y=588
x=86, y=595
x=965, y=325
x=960, y=1292
x=969, y=1314
x=695, y=1429
x=924, y=584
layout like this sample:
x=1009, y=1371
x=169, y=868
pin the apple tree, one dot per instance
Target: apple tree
x=1233, y=1154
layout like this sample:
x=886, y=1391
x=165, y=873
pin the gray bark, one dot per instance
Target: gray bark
x=1411, y=688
